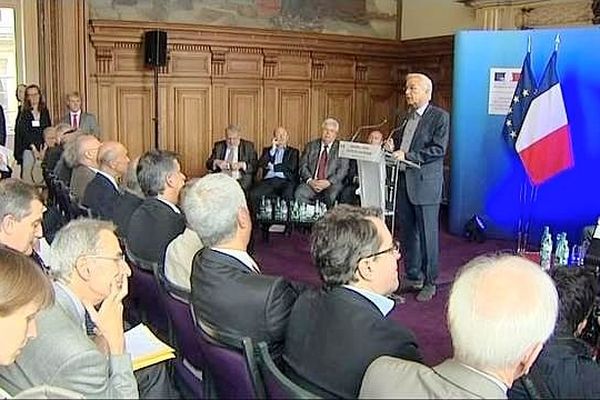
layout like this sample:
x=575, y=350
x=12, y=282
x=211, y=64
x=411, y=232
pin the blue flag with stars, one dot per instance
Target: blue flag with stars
x=524, y=94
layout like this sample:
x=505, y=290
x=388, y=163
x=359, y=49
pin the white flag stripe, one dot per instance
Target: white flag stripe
x=546, y=114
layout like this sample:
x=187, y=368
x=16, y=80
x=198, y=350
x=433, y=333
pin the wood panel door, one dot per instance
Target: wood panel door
x=134, y=113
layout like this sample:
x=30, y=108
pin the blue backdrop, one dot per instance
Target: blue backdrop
x=486, y=173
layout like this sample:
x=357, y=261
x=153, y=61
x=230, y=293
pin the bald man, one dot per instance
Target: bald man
x=279, y=163
x=501, y=311
x=85, y=149
x=102, y=193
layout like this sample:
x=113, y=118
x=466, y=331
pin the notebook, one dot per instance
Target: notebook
x=145, y=348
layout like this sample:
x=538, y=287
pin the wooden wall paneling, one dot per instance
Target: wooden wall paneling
x=339, y=104
x=245, y=108
x=107, y=110
x=134, y=108
x=192, y=126
x=294, y=114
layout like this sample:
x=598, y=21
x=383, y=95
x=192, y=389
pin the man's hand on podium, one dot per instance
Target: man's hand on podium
x=399, y=155
x=389, y=145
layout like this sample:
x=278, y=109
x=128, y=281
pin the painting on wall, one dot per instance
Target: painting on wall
x=368, y=18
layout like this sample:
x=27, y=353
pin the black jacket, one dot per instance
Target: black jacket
x=237, y=300
x=26, y=134
x=151, y=228
x=126, y=205
x=101, y=197
x=288, y=165
x=334, y=335
x=567, y=368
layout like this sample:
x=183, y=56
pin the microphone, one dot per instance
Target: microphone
x=360, y=128
x=399, y=128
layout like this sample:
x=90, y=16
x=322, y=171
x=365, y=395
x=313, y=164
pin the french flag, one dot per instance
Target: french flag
x=544, y=142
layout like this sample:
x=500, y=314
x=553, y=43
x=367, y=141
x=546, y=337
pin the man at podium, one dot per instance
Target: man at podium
x=422, y=139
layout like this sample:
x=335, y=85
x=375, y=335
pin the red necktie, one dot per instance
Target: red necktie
x=322, y=167
x=74, y=122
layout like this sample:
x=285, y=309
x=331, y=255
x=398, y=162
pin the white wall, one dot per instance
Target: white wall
x=429, y=18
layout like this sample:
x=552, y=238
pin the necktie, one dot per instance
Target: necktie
x=322, y=166
x=89, y=325
x=74, y=122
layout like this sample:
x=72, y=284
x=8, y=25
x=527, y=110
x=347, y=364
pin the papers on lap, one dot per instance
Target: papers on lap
x=145, y=348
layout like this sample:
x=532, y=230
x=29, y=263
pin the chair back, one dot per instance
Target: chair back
x=184, y=334
x=277, y=385
x=231, y=366
x=145, y=296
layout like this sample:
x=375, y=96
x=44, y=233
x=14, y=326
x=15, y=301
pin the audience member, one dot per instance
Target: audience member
x=53, y=154
x=24, y=291
x=501, y=311
x=228, y=290
x=322, y=171
x=50, y=142
x=279, y=165
x=181, y=251
x=158, y=219
x=130, y=199
x=235, y=157
x=349, y=194
x=347, y=322
x=90, y=272
x=20, y=95
x=21, y=211
x=566, y=368
x=34, y=118
x=78, y=119
x=2, y=127
x=102, y=193
x=68, y=159
x=86, y=165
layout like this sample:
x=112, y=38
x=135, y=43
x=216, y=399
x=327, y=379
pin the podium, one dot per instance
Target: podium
x=377, y=177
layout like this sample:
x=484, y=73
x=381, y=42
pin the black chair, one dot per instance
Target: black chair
x=277, y=385
x=231, y=371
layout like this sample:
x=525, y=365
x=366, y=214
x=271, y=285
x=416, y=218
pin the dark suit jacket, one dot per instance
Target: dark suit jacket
x=334, y=335
x=289, y=164
x=337, y=168
x=151, y=227
x=87, y=122
x=231, y=297
x=101, y=197
x=2, y=127
x=26, y=135
x=126, y=205
x=427, y=149
x=246, y=153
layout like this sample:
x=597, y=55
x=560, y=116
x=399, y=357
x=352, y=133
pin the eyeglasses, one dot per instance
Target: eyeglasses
x=117, y=259
x=395, y=249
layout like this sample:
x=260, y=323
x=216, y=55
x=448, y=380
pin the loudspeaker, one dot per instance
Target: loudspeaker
x=155, y=48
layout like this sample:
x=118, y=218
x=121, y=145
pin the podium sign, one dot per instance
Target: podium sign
x=371, y=172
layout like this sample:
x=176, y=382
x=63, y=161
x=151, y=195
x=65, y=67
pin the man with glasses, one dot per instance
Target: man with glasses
x=347, y=323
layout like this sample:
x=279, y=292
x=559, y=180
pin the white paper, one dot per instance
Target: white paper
x=141, y=342
x=503, y=82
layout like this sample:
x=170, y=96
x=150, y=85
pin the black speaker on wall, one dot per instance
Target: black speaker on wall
x=155, y=48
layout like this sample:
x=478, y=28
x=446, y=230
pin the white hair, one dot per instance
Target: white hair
x=78, y=238
x=494, y=328
x=332, y=122
x=424, y=80
x=211, y=206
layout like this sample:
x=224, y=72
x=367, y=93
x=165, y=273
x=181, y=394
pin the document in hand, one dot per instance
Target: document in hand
x=145, y=348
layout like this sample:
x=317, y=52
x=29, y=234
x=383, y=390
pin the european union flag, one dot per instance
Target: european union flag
x=524, y=94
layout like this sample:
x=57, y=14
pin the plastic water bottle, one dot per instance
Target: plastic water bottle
x=546, y=249
x=565, y=250
x=559, y=250
x=268, y=209
x=284, y=210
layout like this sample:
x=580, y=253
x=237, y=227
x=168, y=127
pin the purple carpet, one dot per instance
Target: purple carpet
x=290, y=257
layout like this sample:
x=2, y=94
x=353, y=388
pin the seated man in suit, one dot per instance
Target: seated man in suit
x=349, y=193
x=102, y=193
x=501, y=311
x=21, y=212
x=322, y=171
x=86, y=165
x=566, y=366
x=53, y=154
x=347, y=323
x=89, y=265
x=235, y=157
x=68, y=158
x=279, y=164
x=158, y=220
x=130, y=199
x=228, y=290
x=78, y=119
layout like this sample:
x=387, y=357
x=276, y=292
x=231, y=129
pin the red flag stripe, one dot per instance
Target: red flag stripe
x=548, y=156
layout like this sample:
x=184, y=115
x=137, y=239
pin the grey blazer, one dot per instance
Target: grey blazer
x=428, y=149
x=64, y=356
x=337, y=168
x=389, y=377
x=80, y=178
x=87, y=123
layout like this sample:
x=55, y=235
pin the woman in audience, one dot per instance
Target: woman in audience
x=24, y=291
x=29, y=130
x=20, y=95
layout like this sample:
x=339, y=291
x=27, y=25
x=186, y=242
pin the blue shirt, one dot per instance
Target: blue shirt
x=277, y=159
x=384, y=304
